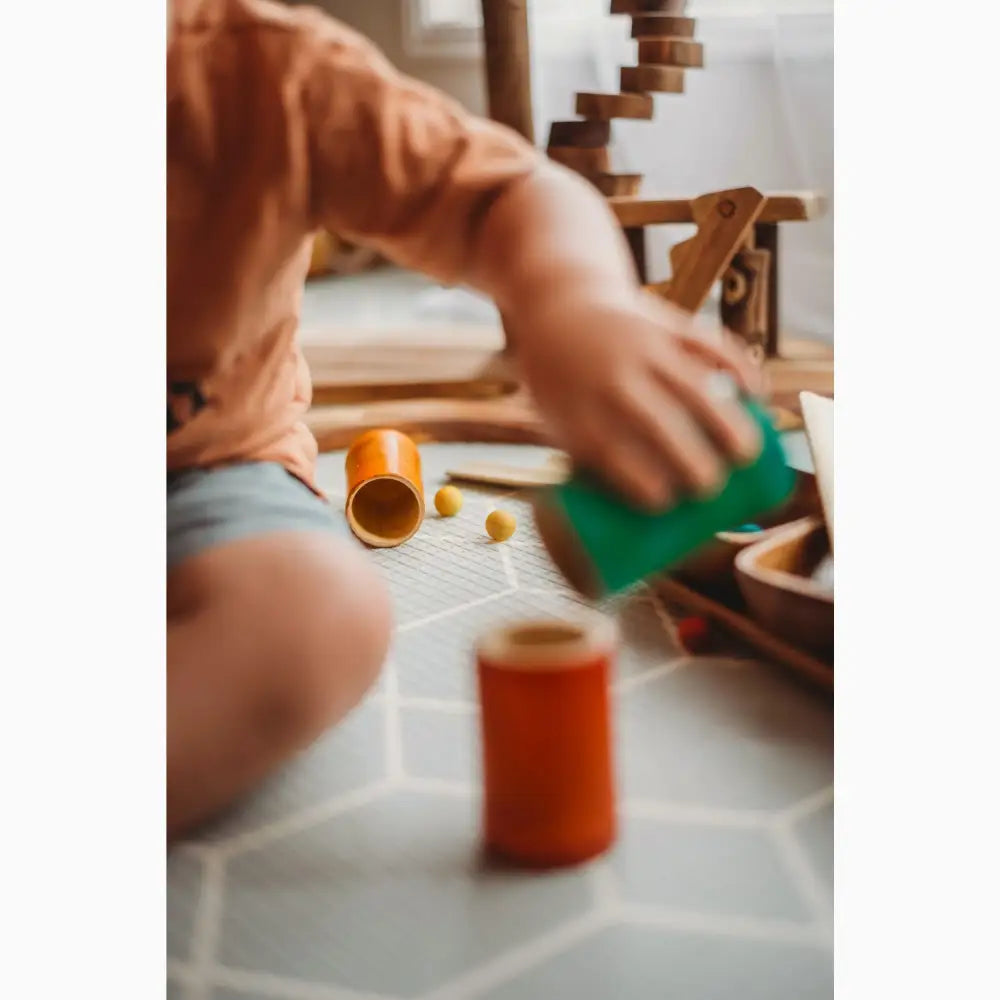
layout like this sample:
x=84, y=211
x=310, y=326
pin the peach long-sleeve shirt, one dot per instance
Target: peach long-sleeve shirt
x=281, y=121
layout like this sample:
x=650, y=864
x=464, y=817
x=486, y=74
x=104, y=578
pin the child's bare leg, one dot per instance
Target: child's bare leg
x=269, y=641
x=276, y=627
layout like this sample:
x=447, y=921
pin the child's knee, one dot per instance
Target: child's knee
x=334, y=646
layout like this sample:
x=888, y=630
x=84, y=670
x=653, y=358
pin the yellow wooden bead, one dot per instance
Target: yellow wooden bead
x=500, y=525
x=448, y=501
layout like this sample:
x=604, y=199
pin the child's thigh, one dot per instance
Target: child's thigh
x=207, y=508
x=265, y=598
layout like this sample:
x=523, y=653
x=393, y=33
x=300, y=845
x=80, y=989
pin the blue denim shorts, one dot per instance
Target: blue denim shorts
x=208, y=507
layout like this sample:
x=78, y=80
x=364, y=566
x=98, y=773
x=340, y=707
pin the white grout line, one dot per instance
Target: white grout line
x=518, y=960
x=808, y=884
x=798, y=811
x=448, y=612
x=206, y=927
x=283, y=988
x=647, y=676
x=393, y=727
x=305, y=818
x=679, y=812
x=508, y=567
x=747, y=928
x=439, y=786
x=446, y=706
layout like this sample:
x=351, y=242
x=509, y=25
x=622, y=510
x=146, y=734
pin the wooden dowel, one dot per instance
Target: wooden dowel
x=508, y=68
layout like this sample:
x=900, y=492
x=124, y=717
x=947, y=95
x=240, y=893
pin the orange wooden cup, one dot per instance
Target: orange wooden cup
x=385, y=494
x=546, y=736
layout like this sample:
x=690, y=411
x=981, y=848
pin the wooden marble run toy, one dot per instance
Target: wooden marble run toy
x=667, y=47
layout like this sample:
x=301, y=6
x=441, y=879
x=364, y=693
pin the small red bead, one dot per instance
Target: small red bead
x=693, y=633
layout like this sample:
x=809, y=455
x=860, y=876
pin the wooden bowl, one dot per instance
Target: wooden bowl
x=775, y=578
x=712, y=564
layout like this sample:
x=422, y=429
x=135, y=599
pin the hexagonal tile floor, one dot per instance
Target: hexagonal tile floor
x=355, y=874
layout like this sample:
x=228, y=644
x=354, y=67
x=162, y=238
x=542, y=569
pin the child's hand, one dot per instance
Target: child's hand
x=624, y=379
x=626, y=383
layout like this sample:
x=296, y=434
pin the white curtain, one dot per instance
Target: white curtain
x=759, y=113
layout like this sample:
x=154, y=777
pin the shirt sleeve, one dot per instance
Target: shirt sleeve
x=395, y=164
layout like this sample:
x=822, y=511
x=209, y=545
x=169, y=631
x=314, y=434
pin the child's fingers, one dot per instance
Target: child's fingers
x=724, y=420
x=722, y=350
x=682, y=448
x=707, y=341
x=625, y=462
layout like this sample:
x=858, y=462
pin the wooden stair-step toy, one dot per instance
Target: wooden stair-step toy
x=671, y=52
x=648, y=6
x=666, y=48
x=658, y=79
x=590, y=133
x=662, y=26
x=609, y=106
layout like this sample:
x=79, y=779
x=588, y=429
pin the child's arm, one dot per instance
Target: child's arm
x=622, y=378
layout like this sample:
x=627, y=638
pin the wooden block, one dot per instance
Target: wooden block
x=725, y=220
x=605, y=106
x=671, y=52
x=648, y=6
x=591, y=133
x=583, y=161
x=779, y=207
x=662, y=26
x=617, y=184
x=659, y=79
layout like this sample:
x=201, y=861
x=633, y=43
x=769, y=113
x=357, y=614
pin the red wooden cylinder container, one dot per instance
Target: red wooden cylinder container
x=548, y=766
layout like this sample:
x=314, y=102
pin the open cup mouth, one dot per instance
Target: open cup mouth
x=385, y=510
x=542, y=644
